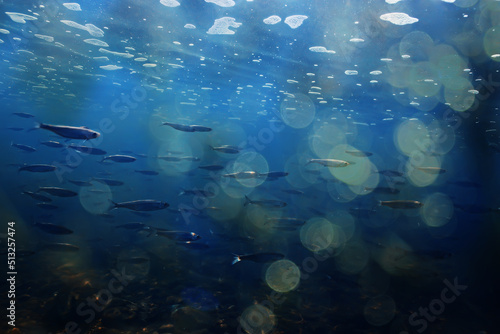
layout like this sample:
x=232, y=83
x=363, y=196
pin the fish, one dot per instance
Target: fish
x=13, y=128
x=177, y=235
x=170, y=158
x=432, y=170
x=51, y=143
x=194, y=245
x=141, y=205
x=188, y=128
x=37, y=168
x=60, y=192
x=133, y=226
x=211, y=167
x=226, y=149
x=290, y=221
x=358, y=153
x=23, y=147
x=60, y=247
x=71, y=132
x=47, y=206
x=197, y=192
x=190, y=158
x=87, y=149
x=23, y=114
x=119, y=158
x=390, y=173
x=81, y=183
x=53, y=228
x=38, y=197
x=402, y=204
x=329, y=162
x=467, y=184
x=270, y=203
x=383, y=190
x=109, y=182
x=273, y=175
x=242, y=175
x=134, y=260
x=293, y=191
x=147, y=172
x=258, y=257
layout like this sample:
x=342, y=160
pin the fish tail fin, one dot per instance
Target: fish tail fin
x=236, y=259
x=309, y=161
x=38, y=125
x=182, y=192
x=114, y=205
x=211, y=147
x=247, y=201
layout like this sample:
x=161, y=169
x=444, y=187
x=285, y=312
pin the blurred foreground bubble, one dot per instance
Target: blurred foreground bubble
x=380, y=310
x=257, y=319
x=297, y=111
x=283, y=276
x=437, y=210
x=96, y=199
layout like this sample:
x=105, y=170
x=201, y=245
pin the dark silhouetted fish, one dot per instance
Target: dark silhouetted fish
x=12, y=128
x=38, y=197
x=188, y=128
x=87, y=149
x=133, y=226
x=147, y=172
x=211, y=167
x=170, y=158
x=51, y=143
x=109, y=182
x=72, y=132
x=383, y=190
x=190, y=158
x=402, y=204
x=23, y=147
x=23, y=114
x=53, y=228
x=81, y=183
x=270, y=203
x=38, y=168
x=432, y=170
x=60, y=192
x=197, y=192
x=390, y=173
x=293, y=191
x=141, y=205
x=119, y=158
x=358, y=153
x=177, y=235
x=47, y=206
x=60, y=247
x=273, y=175
x=258, y=257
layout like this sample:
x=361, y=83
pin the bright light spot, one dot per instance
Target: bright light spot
x=398, y=18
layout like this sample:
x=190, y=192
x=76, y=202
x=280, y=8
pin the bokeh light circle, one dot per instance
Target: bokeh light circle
x=380, y=310
x=437, y=210
x=297, y=111
x=283, y=276
x=257, y=319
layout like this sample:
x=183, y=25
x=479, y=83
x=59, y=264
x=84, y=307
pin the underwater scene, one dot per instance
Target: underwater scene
x=250, y=166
